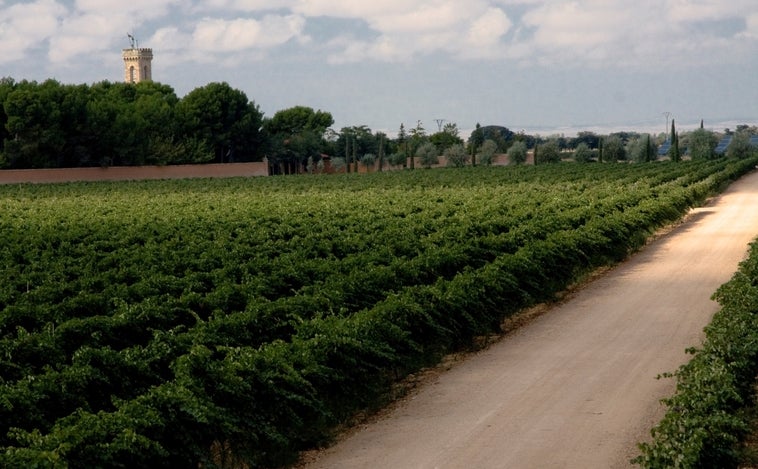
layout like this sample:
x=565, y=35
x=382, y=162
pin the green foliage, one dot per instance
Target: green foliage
x=456, y=156
x=502, y=136
x=613, y=149
x=358, y=138
x=447, y=137
x=548, y=153
x=368, y=160
x=239, y=321
x=397, y=159
x=674, y=152
x=706, y=417
x=642, y=149
x=487, y=152
x=105, y=124
x=226, y=119
x=582, y=153
x=476, y=139
x=702, y=144
x=517, y=153
x=299, y=119
x=428, y=155
x=739, y=147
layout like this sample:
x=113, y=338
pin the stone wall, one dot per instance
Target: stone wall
x=126, y=173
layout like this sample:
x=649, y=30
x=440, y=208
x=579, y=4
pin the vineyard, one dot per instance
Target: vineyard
x=240, y=321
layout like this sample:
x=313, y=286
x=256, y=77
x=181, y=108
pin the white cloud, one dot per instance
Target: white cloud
x=426, y=17
x=751, y=30
x=620, y=33
x=486, y=31
x=408, y=29
x=578, y=33
x=357, y=9
x=24, y=26
x=138, y=10
x=700, y=10
x=245, y=33
x=81, y=34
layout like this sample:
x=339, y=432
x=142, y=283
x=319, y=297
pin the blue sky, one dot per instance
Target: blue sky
x=545, y=66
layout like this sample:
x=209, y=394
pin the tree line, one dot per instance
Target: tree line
x=49, y=125
x=54, y=125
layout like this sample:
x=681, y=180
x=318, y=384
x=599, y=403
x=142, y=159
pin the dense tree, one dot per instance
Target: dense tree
x=642, y=149
x=613, y=149
x=702, y=144
x=34, y=124
x=739, y=147
x=447, y=137
x=476, y=139
x=359, y=137
x=456, y=155
x=295, y=135
x=517, y=153
x=502, y=136
x=591, y=139
x=52, y=125
x=7, y=85
x=549, y=152
x=582, y=153
x=402, y=144
x=299, y=119
x=368, y=161
x=226, y=119
x=382, y=137
x=416, y=138
x=427, y=154
x=397, y=159
x=487, y=152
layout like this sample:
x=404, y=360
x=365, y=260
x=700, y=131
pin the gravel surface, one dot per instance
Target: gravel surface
x=576, y=387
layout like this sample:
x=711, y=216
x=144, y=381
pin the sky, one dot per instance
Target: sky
x=541, y=66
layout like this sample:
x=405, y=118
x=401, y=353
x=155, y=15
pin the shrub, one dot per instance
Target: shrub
x=456, y=156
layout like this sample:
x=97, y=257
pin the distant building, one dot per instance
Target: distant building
x=137, y=63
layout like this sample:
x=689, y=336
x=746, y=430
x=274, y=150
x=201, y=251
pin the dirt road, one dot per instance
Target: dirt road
x=576, y=387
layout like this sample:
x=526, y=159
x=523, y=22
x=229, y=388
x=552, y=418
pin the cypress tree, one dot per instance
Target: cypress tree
x=674, y=151
x=355, y=156
x=403, y=144
x=347, y=153
x=381, y=152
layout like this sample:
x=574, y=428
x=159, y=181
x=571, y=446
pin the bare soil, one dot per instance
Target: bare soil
x=576, y=385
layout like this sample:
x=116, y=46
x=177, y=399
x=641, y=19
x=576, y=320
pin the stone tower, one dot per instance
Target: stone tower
x=137, y=63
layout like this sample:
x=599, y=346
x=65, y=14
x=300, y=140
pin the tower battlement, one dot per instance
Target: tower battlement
x=137, y=64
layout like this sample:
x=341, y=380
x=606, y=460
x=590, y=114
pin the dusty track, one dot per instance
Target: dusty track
x=576, y=387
